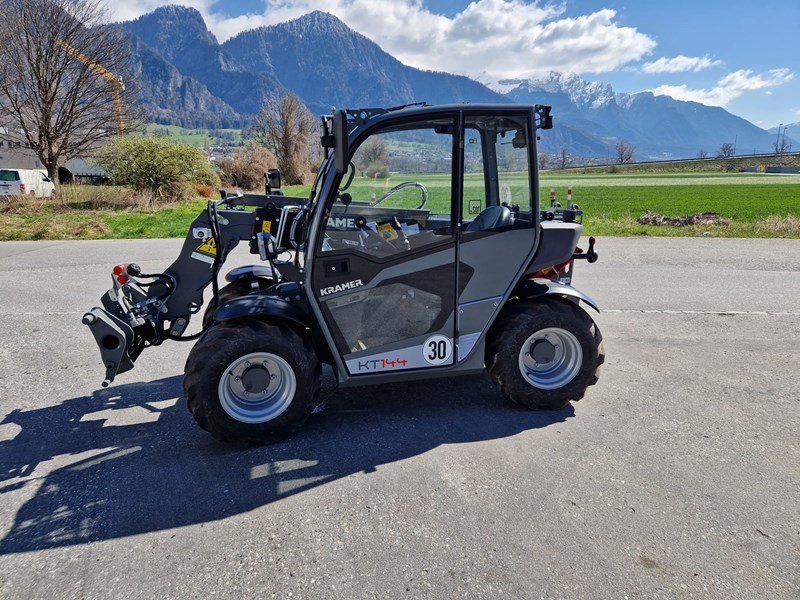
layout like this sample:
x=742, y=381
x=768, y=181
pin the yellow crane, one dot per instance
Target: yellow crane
x=117, y=86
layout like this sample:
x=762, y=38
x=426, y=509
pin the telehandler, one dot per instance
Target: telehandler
x=421, y=252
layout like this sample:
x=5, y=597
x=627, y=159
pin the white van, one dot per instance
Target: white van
x=21, y=182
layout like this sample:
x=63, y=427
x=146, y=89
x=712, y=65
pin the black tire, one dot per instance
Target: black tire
x=514, y=328
x=219, y=348
x=235, y=289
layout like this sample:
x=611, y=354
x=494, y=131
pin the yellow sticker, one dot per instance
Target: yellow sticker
x=266, y=226
x=387, y=232
x=208, y=247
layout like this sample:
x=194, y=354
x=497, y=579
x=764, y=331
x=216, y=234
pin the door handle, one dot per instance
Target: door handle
x=337, y=267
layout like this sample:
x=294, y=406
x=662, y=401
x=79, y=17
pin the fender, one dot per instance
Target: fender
x=533, y=288
x=249, y=271
x=261, y=305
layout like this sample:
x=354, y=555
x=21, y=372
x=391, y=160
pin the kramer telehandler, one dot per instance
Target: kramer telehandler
x=420, y=252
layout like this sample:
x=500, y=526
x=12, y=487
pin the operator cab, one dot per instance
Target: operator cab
x=426, y=223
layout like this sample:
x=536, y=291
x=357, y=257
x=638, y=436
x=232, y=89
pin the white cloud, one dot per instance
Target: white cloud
x=500, y=37
x=729, y=87
x=680, y=64
x=797, y=112
x=125, y=10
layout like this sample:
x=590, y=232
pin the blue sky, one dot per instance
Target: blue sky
x=744, y=56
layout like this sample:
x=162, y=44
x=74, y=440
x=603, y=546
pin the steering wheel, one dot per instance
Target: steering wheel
x=403, y=185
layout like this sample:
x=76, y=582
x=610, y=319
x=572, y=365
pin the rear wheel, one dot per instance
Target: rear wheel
x=545, y=354
x=252, y=382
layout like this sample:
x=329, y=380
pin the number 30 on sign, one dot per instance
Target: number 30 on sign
x=437, y=350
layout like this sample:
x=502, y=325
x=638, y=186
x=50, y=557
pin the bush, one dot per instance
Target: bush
x=203, y=190
x=245, y=169
x=161, y=168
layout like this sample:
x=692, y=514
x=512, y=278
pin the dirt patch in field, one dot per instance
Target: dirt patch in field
x=705, y=219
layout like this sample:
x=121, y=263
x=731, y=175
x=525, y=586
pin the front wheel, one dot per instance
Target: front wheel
x=252, y=382
x=235, y=289
x=545, y=354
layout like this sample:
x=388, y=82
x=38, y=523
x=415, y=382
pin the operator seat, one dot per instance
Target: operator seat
x=491, y=217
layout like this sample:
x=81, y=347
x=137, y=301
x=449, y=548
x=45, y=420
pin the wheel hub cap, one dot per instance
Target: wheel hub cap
x=550, y=358
x=257, y=388
x=543, y=351
x=255, y=380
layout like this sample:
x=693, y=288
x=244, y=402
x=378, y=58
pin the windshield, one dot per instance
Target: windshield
x=9, y=175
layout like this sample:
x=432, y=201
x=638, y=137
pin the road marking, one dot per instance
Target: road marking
x=724, y=313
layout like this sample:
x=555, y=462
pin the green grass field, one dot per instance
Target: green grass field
x=613, y=203
x=199, y=138
x=756, y=205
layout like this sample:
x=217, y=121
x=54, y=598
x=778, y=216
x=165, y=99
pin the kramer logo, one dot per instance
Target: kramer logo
x=342, y=223
x=341, y=287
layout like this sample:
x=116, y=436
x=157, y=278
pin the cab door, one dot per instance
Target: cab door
x=499, y=222
x=385, y=266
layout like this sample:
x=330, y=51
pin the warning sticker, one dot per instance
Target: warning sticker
x=208, y=247
x=387, y=232
x=266, y=226
x=206, y=252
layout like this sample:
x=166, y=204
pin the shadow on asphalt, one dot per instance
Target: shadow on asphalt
x=131, y=460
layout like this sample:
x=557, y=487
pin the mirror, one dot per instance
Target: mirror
x=340, y=134
x=274, y=178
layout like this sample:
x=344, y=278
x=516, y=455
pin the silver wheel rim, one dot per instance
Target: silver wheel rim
x=257, y=388
x=550, y=358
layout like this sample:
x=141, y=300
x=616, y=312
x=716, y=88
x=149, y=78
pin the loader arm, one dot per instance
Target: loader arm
x=142, y=310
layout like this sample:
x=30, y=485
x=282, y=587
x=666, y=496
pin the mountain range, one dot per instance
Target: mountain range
x=186, y=77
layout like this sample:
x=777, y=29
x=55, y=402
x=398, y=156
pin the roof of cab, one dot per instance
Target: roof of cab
x=433, y=109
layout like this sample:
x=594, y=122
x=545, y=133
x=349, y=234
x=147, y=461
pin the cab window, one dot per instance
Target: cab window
x=396, y=196
x=497, y=187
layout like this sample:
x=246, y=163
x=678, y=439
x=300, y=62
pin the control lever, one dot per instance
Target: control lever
x=590, y=255
x=266, y=246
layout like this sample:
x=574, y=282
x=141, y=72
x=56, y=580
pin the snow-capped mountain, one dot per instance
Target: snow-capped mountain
x=187, y=78
x=658, y=126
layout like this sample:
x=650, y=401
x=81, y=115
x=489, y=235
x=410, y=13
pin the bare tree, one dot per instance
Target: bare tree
x=624, y=152
x=726, y=150
x=61, y=78
x=284, y=127
x=563, y=158
x=544, y=159
x=373, y=153
x=702, y=153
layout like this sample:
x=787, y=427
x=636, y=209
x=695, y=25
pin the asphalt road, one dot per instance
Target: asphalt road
x=678, y=476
